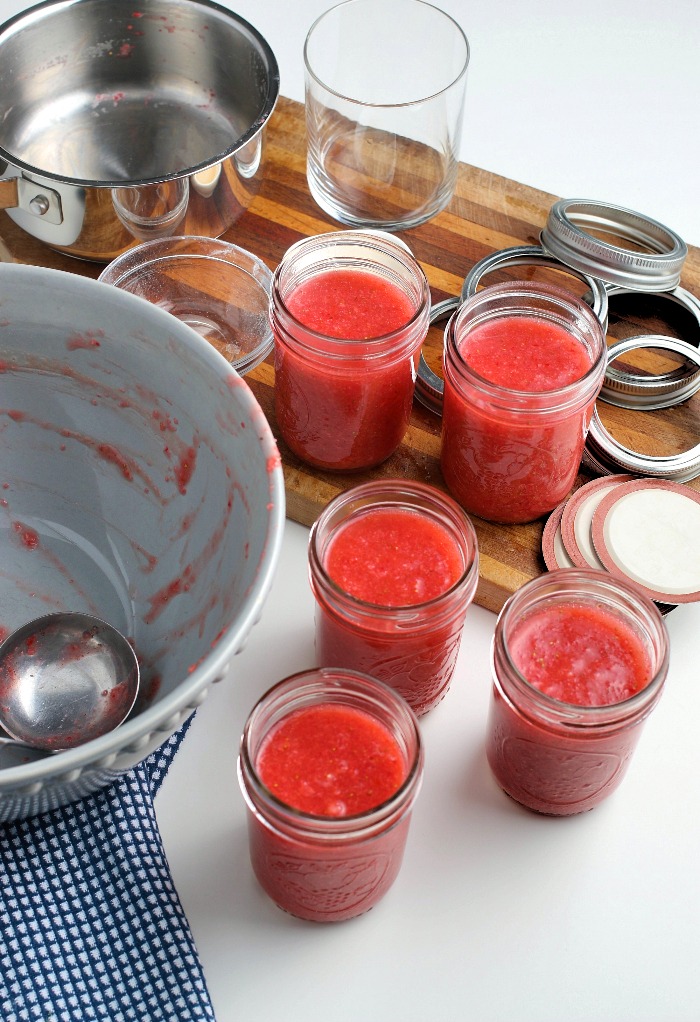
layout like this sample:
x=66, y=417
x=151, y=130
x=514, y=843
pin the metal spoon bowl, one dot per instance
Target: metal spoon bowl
x=64, y=680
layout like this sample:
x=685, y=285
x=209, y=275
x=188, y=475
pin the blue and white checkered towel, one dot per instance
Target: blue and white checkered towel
x=91, y=926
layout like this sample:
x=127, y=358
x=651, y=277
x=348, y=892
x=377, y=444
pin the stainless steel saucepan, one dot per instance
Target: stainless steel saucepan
x=121, y=120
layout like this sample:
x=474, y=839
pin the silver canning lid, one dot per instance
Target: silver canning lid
x=627, y=388
x=429, y=386
x=605, y=455
x=654, y=264
x=597, y=296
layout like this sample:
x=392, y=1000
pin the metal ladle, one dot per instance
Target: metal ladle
x=64, y=679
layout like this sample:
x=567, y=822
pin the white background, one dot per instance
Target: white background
x=498, y=914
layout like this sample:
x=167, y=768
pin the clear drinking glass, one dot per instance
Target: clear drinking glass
x=385, y=88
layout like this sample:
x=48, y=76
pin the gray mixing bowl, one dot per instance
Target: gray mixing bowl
x=139, y=481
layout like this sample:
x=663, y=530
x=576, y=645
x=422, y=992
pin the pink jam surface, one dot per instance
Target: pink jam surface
x=583, y=656
x=353, y=304
x=514, y=467
x=350, y=416
x=395, y=558
x=580, y=654
x=525, y=353
x=331, y=760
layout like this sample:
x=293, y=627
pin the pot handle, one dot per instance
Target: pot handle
x=31, y=197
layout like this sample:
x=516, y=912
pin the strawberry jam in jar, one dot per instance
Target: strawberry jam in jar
x=579, y=662
x=349, y=312
x=330, y=764
x=524, y=363
x=393, y=566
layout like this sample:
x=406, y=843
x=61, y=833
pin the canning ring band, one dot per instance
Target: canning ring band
x=429, y=387
x=519, y=255
x=653, y=264
x=644, y=391
x=606, y=454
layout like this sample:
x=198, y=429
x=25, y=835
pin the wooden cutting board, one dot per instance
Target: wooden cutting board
x=487, y=213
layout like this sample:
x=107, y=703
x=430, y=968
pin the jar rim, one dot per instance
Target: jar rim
x=380, y=241
x=331, y=827
x=588, y=585
x=511, y=397
x=383, y=490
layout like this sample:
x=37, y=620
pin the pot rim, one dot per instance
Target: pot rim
x=269, y=102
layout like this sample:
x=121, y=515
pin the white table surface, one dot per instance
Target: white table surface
x=498, y=914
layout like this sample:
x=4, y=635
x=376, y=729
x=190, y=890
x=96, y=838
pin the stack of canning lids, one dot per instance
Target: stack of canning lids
x=643, y=530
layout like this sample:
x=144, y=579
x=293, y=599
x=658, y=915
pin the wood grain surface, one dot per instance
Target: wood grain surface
x=487, y=213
